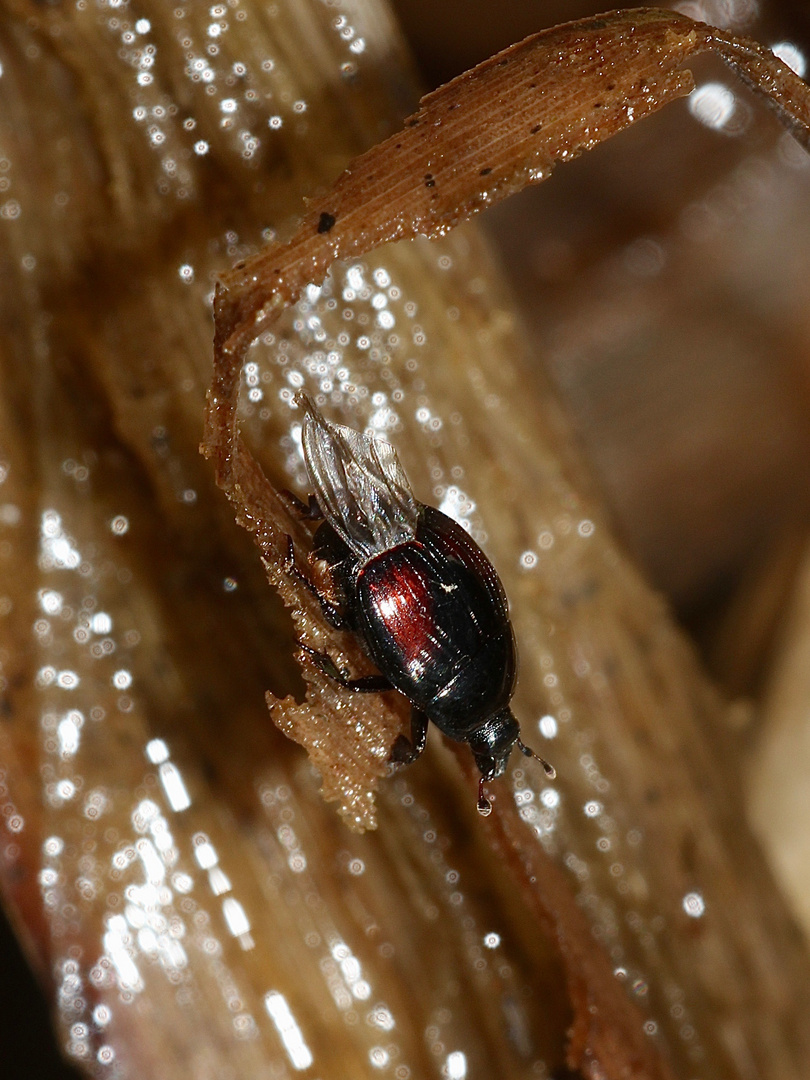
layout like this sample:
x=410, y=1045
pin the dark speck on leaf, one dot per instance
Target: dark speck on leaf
x=536, y=128
x=325, y=222
x=430, y=183
x=485, y=172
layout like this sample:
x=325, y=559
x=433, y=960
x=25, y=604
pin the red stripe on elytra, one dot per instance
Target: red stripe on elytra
x=402, y=599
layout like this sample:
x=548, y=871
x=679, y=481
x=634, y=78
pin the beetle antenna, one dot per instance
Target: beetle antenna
x=550, y=771
x=484, y=805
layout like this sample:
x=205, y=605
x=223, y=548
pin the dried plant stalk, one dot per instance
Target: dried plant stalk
x=571, y=87
x=486, y=135
x=476, y=140
x=409, y=945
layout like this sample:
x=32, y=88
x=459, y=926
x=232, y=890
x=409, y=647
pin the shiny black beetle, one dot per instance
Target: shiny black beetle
x=421, y=596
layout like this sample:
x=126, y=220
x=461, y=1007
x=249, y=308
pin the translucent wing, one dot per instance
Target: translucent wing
x=359, y=484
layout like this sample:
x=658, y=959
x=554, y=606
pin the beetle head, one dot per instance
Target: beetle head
x=492, y=743
x=491, y=746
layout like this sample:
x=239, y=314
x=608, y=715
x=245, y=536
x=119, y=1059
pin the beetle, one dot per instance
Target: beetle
x=423, y=600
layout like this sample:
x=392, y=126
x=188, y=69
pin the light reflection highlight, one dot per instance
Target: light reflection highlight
x=50, y=601
x=219, y=881
x=153, y=867
x=235, y=917
x=694, y=905
x=382, y=1018
x=56, y=548
x=117, y=945
x=351, y=971
x=157, y=751
x=101, y=623
x=792, y=55
x=548, y=726
x=713, y=105
x=289, y=1032
x=174, y=787
x=455, y=1067
x=68, y=733
x=204, y=852
x=379, y=1057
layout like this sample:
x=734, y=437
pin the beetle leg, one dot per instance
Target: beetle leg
x=365, y=684
x=405, y=752
x=309, y=511
x=330, y=611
